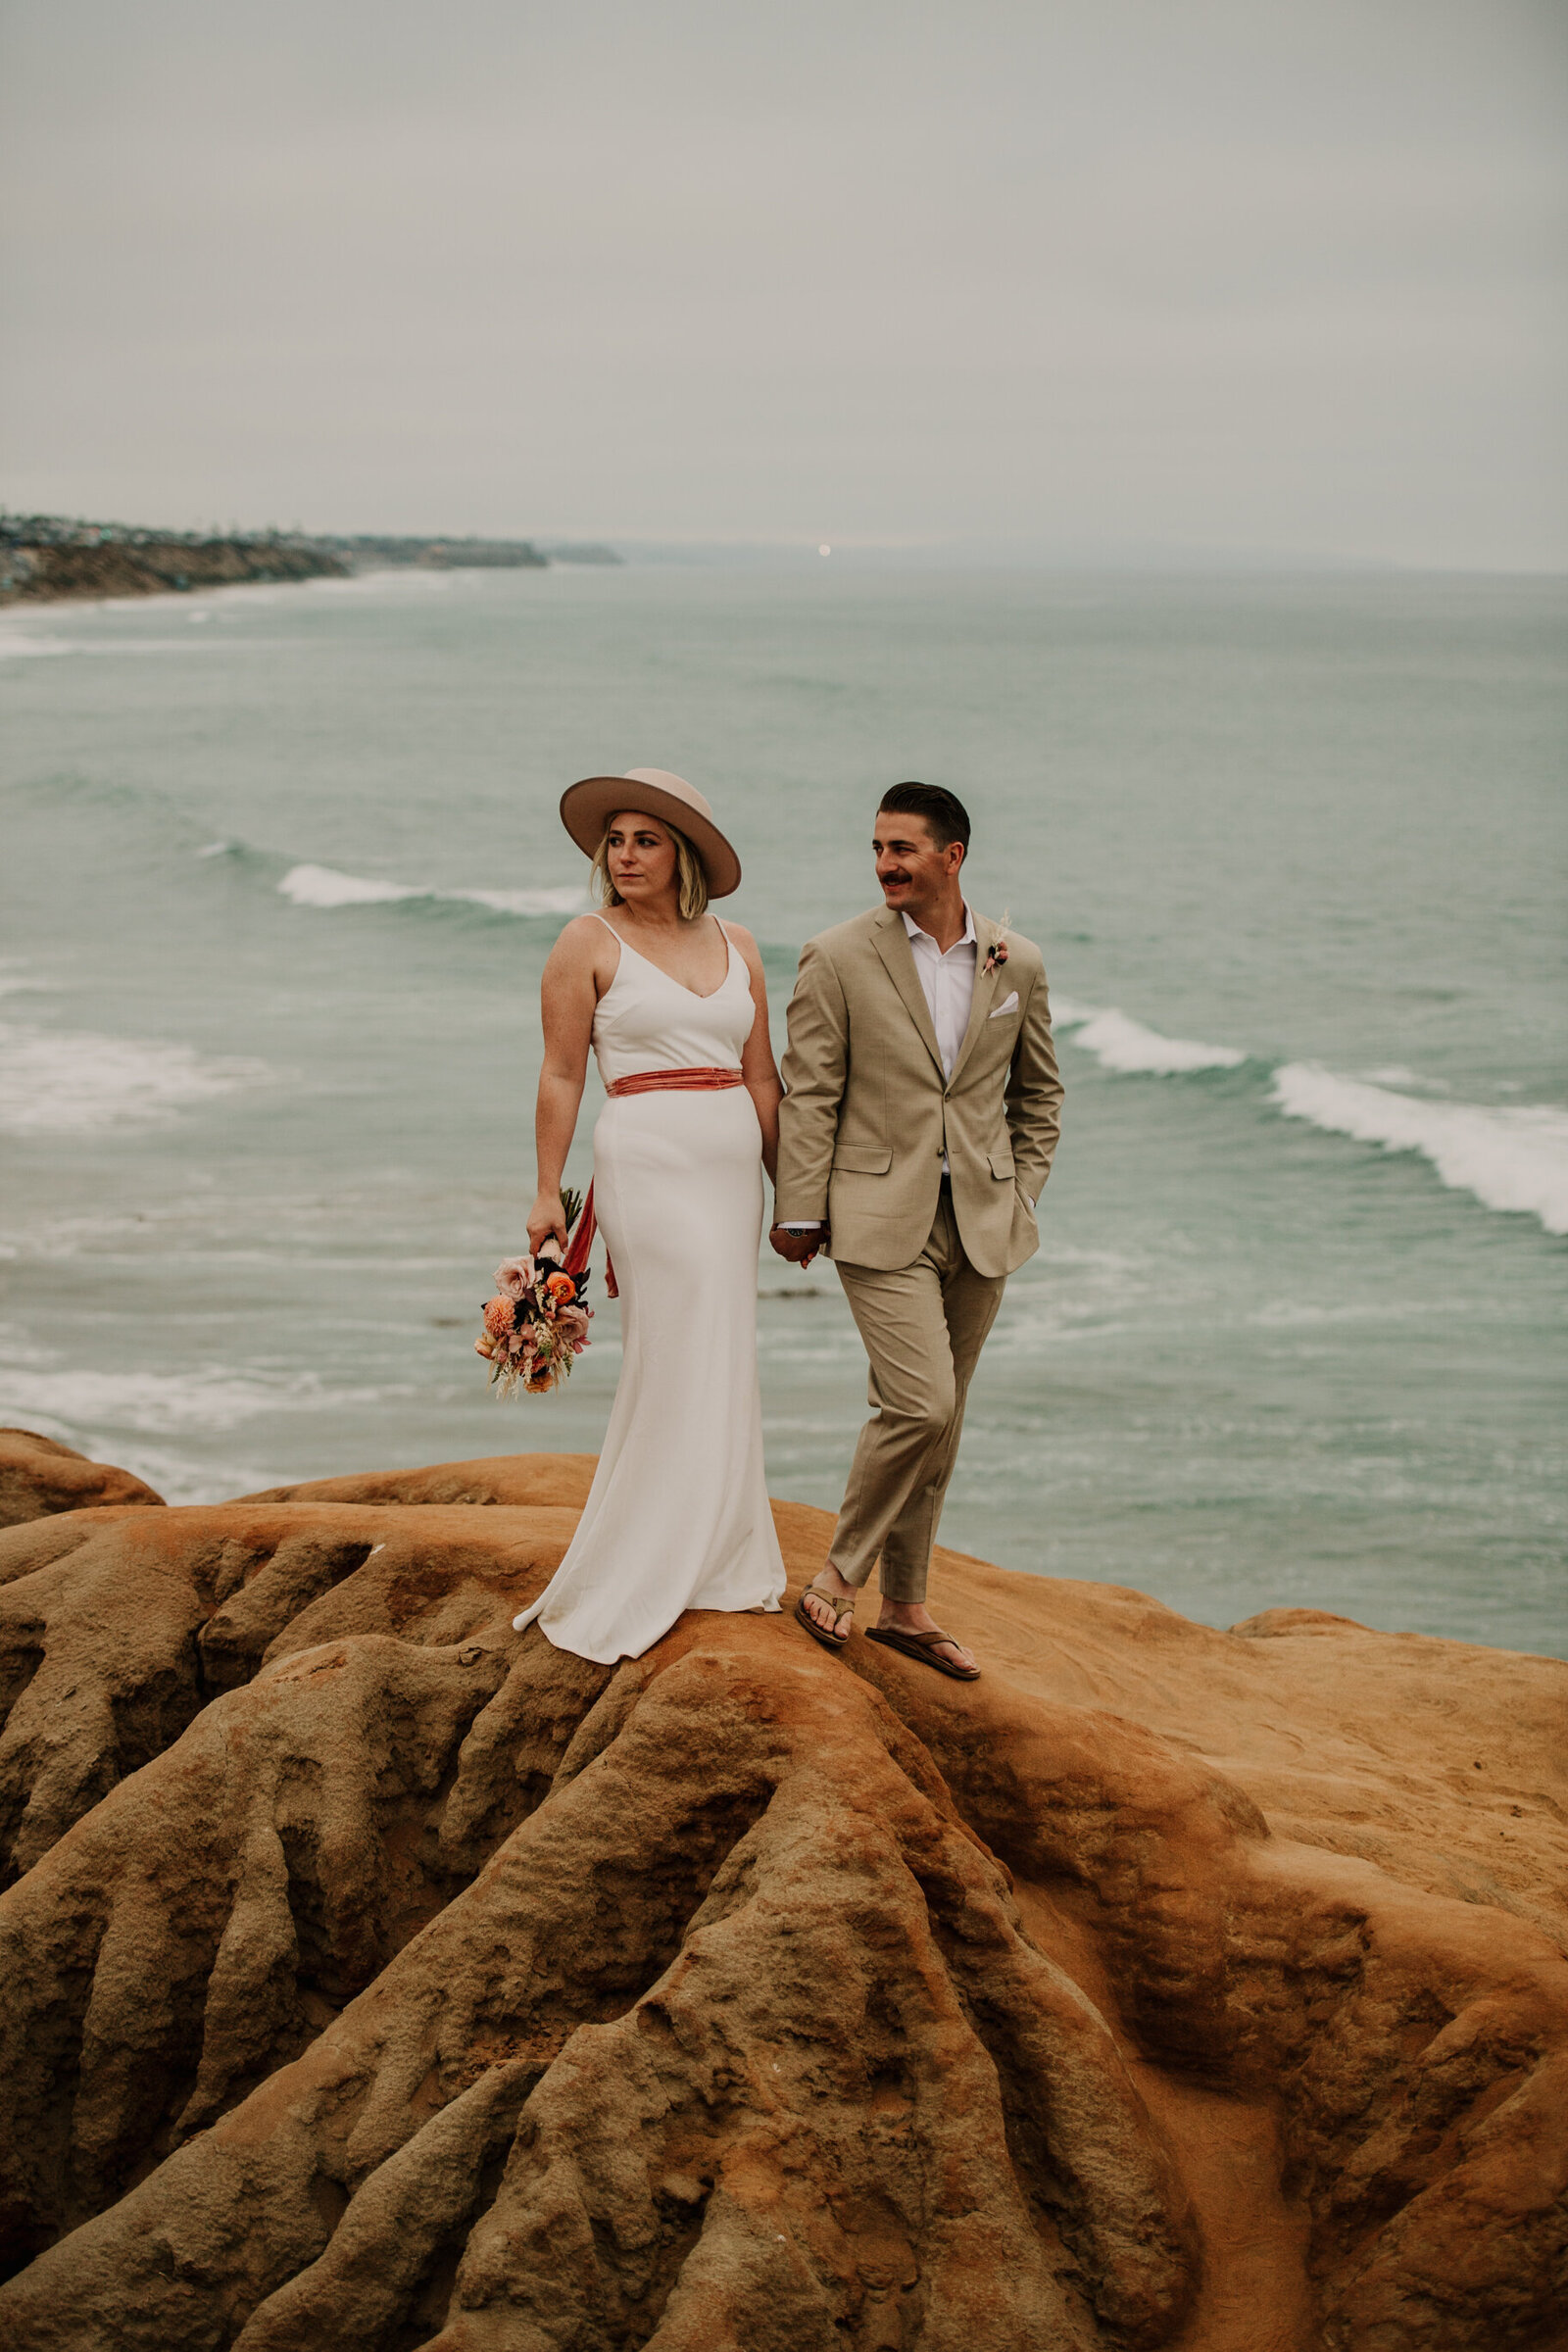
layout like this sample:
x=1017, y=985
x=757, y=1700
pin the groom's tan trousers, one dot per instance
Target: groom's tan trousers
x=923, y=1326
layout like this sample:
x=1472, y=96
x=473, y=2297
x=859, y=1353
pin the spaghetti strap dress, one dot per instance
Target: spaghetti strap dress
x=678, y=1516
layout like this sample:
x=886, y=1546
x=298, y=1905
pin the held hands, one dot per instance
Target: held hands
x=547, y=1216
x=799, y=1247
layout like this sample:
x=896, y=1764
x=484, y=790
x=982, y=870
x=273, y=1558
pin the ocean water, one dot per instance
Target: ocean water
x=281, y=867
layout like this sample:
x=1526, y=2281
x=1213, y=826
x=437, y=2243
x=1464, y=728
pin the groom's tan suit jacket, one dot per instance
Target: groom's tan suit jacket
x=868, y=1113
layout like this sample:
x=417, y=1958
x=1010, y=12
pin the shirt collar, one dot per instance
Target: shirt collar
x=969, y=940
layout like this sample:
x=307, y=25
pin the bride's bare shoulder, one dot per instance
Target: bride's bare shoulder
x=582, y=946
x=750, y=953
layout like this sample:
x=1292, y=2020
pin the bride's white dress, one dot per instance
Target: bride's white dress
x=677, y=1515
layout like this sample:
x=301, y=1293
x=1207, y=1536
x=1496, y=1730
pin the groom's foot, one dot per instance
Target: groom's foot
x=818, y=1607
x=913, y=1617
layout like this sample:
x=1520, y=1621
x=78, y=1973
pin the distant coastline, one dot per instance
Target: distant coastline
x=48, y=559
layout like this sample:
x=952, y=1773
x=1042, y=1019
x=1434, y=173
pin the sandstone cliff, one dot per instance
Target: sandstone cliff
x=39, y=1475
x=378, y=1977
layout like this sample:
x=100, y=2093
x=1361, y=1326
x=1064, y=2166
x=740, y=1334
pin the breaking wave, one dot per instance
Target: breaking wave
x=1126, y=1045
x=1509, y=1159
x=1514, y=1159
x=325, y=886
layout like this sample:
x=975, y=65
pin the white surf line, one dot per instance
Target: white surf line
x=26, y=645
x=158, y=1403
x=1514, y=1159
x=1125, y=1045
x=324, y=886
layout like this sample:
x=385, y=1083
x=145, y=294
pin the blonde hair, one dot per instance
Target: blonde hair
x=691, y=881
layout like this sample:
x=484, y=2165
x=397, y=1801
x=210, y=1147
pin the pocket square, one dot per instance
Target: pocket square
x=1009, y=1003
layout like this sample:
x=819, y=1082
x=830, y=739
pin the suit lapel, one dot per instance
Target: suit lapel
x=892, y=944
x=986, y=935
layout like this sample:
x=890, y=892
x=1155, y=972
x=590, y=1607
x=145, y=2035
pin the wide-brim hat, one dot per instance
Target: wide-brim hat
x=587, y=808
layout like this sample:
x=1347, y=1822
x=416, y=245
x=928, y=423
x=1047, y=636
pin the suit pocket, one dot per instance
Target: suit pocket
x=862, y=1160
x=1007, y=1004
x=1001, y=1163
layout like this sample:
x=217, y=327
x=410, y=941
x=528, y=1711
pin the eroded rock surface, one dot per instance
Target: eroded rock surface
x=530, y=1479
x=379, y=1978
x=38, y=1476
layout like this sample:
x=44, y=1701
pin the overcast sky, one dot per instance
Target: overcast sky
x=1074, y=276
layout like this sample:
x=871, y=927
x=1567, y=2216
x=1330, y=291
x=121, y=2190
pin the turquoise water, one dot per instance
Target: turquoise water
x=281, y=868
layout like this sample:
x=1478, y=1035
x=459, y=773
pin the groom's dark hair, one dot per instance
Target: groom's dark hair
x=943, y=812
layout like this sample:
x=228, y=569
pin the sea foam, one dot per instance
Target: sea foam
x=1125, y=1045
x=158, y=1402
x=164, y=1404
x=325, y=886
x=71, y=1082
x=1512, y=1158
x=27, y=645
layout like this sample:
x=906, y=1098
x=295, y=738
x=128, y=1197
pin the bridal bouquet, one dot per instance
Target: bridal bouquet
x=536, y=1325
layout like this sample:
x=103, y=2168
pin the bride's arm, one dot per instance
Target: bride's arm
x=758, y=1066
x=567, y=998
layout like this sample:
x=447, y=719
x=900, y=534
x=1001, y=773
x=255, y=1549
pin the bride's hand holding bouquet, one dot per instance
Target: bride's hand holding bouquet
x=550, y=1220
x=536, y=1325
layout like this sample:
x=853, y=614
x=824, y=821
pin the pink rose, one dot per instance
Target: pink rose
x=514, y=1277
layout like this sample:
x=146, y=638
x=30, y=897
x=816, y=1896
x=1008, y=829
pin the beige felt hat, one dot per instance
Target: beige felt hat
x=587, y=808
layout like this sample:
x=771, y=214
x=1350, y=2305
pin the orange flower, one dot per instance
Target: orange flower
x=500, y=1318
x=560, y=1286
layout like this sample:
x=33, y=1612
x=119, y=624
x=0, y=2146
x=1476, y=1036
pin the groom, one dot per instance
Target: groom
x=919, y=1118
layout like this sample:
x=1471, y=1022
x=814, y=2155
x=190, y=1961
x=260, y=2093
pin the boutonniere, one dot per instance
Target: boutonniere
x=996, y=953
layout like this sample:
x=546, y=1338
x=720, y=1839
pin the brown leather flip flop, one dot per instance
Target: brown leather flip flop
x=841, y=1609
x=924, y=1647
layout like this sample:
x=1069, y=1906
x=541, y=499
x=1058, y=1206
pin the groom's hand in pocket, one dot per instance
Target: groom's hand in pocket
x=799, y=1247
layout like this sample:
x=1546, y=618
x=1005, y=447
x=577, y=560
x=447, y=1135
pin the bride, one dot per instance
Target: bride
x=675, y=1008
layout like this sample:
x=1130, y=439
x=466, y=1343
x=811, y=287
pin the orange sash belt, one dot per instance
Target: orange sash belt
x=641, y=1082
x=692, y=1082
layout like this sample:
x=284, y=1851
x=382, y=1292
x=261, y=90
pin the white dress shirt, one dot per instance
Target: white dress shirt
x=947, y=982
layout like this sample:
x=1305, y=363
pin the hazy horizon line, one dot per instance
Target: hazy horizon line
x=805, y=550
